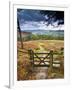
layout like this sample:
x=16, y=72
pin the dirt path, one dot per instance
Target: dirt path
x=41, y=72
x=40, y=46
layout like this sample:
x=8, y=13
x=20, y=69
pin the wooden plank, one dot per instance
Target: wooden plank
x=41, y=65
x=43, y=57
x=41, y=53
x=56, y=65
x=39, y=61
x=46, y=65
x=56, y=62
x=57, y=53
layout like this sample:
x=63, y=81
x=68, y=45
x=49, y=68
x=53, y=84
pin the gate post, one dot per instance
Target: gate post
x=51, y=60
x=31, y=56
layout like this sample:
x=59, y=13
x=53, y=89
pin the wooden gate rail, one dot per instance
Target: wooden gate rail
x=41, y=59
x=46, y=61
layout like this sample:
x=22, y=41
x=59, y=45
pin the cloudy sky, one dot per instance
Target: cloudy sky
x=34, y=20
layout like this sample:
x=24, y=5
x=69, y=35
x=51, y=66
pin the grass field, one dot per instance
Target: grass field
x=24, y=68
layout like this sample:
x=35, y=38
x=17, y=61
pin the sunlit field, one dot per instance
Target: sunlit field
x=25, y=71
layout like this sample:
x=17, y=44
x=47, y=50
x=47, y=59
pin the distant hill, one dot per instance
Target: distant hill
x=47, y=32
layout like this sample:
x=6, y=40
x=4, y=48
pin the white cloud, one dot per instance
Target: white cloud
x=32, y=25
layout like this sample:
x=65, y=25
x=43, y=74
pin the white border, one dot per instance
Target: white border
x=13, y=46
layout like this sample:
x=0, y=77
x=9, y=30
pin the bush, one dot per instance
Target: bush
x=41, y=37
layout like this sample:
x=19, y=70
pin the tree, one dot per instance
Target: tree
x=18, y=26
x=53, y=16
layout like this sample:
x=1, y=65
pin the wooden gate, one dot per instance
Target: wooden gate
x=41, y=59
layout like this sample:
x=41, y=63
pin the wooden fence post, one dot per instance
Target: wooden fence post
x=61, y=67
x=31, y=55
x=51, y=60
